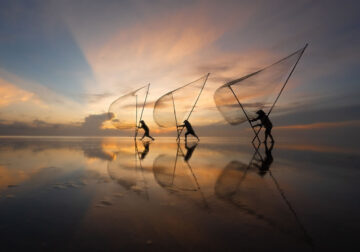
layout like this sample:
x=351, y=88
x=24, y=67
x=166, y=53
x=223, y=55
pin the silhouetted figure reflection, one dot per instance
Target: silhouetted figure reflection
x=189, y=151
x=240, y=185
x=143, y=153
x=265, y=122
x=146, y=130
x=267, y=161
x=175, y=174
x=189, y=130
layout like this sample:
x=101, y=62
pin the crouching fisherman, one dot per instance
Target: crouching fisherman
x=146, y=130
x=265, y=122
x=189, y=130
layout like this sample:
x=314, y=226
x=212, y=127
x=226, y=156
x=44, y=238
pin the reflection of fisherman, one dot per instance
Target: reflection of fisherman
x=146, y=129
x=143, y=154
x=189, y=151
x=189, y=130
x=265, y=122
x=267, y=161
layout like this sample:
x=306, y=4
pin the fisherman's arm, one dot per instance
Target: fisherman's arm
x=255, y=119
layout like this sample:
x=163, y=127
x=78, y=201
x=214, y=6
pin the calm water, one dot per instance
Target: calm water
x=220, y=195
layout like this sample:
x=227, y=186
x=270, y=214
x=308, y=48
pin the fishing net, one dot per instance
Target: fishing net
x=126, y=111
x=174, y=107
x=258, y=90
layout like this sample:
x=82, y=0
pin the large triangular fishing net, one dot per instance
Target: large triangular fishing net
x=126, y=111
x=258, y=90
x=177, y=105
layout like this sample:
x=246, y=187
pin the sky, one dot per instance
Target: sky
x=62, y=63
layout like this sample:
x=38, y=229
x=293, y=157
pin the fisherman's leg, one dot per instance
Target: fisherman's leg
x=147, y=135
x=266, y=135
x=269, y=134
x=186, y=134
x=194, y=134
x=271, y=137
x=143, y=136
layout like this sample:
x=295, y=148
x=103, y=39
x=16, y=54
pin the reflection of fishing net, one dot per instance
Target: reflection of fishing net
x=126, y=111
x=241, y=185
x=176, y=176
x=174, y=107
x=173, y=174
x=229, y=181
x=259, y=90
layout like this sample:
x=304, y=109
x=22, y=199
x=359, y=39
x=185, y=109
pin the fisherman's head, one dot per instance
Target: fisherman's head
x=185, y=121
x=142, y=121
x=260, y=112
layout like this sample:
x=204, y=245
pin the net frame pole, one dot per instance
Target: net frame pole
x=283, y=87
x=137, y=156
x=195, y=179
x=192, y=173
x=256, y=151
x=174, y=170
x=247, y=117
x=291, y=208
x=176, y=122
x=142, y=110
x=192, y=109
x=136, y=122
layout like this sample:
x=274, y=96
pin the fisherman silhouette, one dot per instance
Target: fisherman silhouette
x=267, y=161
x=265, y=122
x=146, y=130
x=189, y=151
x=189, y=130
x=143, y=154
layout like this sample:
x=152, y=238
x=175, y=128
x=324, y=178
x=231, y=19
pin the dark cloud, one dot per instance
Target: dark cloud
x=90, y=127
x=94, y=122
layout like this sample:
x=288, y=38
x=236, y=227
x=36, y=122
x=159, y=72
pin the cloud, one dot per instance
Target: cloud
x=32, y=101
x=94, y=122
x=94, y=98
x=91, y=126
x=153, y=47
x=11, y=94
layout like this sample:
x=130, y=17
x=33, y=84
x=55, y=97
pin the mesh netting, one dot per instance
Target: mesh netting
x=241, y=185
x=174, y=107
x=259, y=90
x=126, y=111
x=173, y=173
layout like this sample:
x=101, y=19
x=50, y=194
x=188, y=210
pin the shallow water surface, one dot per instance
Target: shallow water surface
x=221, y=194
